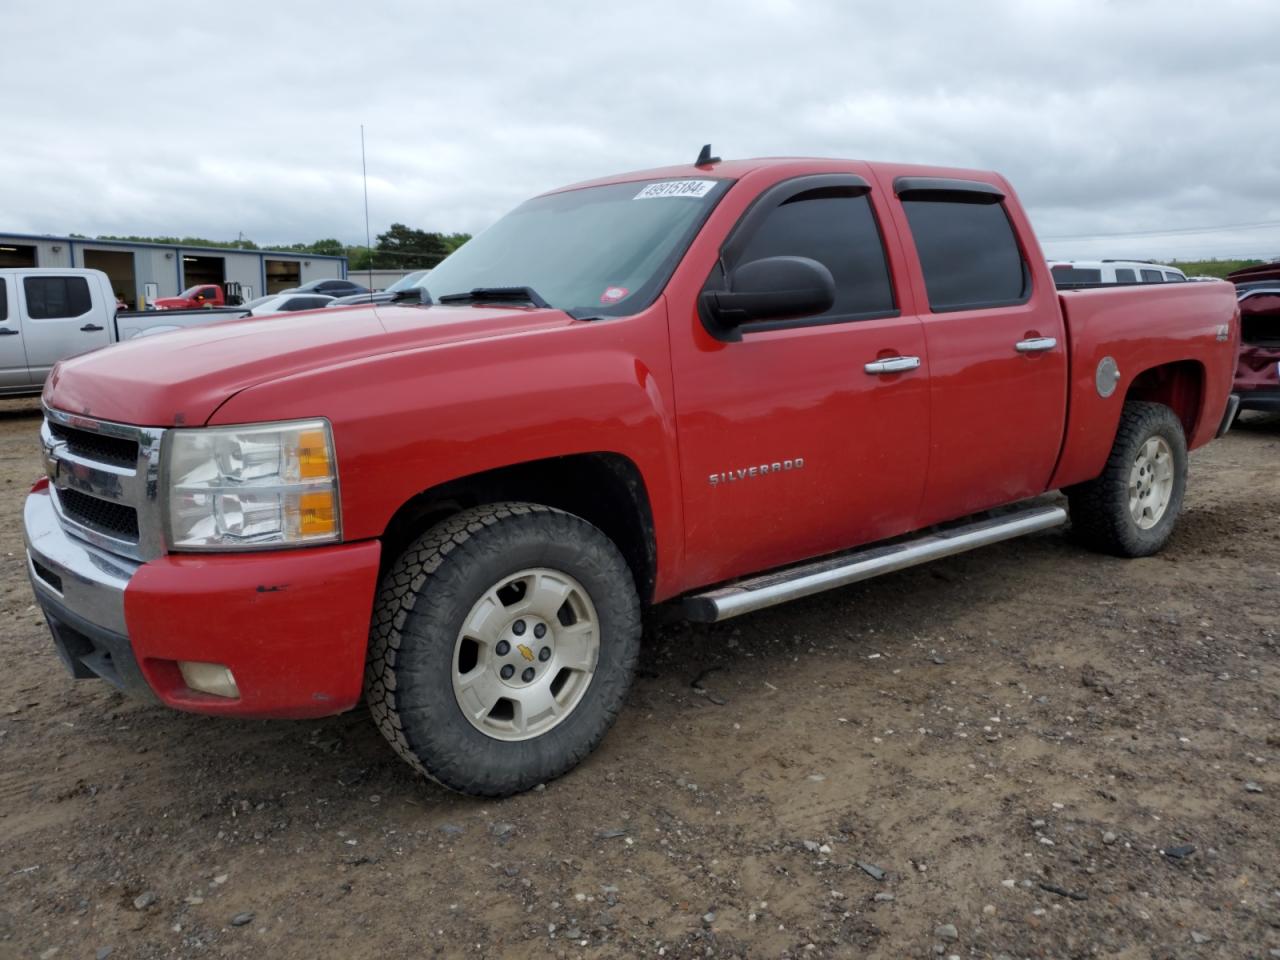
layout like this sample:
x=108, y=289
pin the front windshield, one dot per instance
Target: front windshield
x=604, y=250
x=190, y=292
x=258, y=302
x=408, y=281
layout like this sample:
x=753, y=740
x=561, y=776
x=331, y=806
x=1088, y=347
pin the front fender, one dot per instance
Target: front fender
x=413, y=420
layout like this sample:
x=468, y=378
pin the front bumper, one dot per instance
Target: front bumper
x=292, y=625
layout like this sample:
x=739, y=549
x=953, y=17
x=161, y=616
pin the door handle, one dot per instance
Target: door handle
x=8, y=332
x=1036, y=344
x=892, y=365
x=90, y=328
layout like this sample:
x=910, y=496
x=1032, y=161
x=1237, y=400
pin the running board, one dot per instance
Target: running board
x=766, y=590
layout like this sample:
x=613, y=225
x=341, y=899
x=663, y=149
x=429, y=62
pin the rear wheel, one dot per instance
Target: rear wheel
x=503, y=644
x=1131, y=508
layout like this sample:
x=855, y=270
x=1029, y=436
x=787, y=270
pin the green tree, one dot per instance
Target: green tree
x=454, y=240
x=407, y=248
x=359, y=258
x=1211, y=268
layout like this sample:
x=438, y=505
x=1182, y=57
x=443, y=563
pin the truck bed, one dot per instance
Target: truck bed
x=1197, y=319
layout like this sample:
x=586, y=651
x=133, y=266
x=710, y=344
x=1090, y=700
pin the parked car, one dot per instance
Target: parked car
x=332, y=288
x=715, y=387
x=287, y=303
x=50, y=313
x=403, y=289
x=202, y=295
x=1113, y=271
x=1258, y=372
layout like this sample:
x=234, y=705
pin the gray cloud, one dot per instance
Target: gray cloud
x=1109, y=117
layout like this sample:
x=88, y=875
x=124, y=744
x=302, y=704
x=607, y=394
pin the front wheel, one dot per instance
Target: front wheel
x=1131, y=508
x=503, y=643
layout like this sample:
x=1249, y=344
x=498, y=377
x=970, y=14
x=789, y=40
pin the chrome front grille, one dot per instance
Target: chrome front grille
x=105, y=480
x=112, y=519
x=97, y=446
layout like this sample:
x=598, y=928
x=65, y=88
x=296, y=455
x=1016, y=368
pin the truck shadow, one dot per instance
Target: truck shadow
x=27, y=408
x=1253, y=422
x=345, y=760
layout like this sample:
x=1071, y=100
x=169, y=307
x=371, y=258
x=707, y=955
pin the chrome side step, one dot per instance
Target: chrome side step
x=766, y=590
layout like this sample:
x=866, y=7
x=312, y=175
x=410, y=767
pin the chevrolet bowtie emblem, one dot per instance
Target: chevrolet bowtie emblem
x=524, y=651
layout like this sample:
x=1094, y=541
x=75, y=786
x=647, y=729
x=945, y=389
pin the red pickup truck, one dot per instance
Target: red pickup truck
x=714, y=387
x=192, y=298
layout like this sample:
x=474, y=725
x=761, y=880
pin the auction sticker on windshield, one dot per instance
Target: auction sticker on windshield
x=676, y=188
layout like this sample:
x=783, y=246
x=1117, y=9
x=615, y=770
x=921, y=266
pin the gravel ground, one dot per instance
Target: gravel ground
x=1027, y=751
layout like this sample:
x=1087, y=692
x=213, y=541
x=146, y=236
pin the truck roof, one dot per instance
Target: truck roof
x=796, y=166
x=60, y=271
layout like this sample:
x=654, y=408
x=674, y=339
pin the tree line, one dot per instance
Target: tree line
x=400, y=247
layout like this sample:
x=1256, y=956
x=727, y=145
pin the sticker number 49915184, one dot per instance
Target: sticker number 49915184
x=675, y=188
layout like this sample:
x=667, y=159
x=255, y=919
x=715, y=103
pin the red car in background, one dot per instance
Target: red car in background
x=1258, y=371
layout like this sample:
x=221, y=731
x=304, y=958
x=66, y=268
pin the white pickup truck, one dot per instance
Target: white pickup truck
x=50, y=313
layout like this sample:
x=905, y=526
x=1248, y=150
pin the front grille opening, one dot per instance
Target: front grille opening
x=96, y=446
x=47, y=575
x=113, y=519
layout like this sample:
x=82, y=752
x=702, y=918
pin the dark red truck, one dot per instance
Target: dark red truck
x=714, y=387
x=1258, y=373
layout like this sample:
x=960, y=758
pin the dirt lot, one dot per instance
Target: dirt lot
x=1048, y=753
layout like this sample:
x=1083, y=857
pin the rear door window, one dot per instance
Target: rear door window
x=1076, y=275
x=1152, y=276
x=968, y=252
x=55, y=298
x=1125, y=275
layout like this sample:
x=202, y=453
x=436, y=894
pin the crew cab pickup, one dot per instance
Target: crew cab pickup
x=713, y=387
x=49, y=313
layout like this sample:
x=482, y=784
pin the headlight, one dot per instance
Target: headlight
x=249, y=488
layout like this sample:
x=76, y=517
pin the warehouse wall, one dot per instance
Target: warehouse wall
x=163, y=265
x=46, y=256
x=319, y=269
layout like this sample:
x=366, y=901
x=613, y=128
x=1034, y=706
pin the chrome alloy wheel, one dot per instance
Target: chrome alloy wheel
x=526, y=654
x=1151, y=483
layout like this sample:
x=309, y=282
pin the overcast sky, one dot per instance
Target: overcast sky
x=1110, y=118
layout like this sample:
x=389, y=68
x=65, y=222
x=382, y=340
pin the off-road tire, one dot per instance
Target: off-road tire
x=1100, y=514
x=421, y=603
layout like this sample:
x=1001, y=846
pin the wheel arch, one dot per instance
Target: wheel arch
x=1179, y=385
x=604, y=488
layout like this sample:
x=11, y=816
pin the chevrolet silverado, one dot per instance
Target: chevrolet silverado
x=713, y=387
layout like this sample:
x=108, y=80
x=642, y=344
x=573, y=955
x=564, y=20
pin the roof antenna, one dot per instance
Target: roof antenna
x=705, y=159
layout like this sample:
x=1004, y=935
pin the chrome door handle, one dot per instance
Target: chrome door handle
x=1036, y=344
x=892, y=365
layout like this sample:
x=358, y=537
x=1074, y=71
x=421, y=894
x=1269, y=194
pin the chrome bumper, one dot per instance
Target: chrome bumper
x=71, y=575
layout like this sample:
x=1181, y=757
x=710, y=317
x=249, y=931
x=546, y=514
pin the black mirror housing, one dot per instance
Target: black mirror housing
x=775, y=288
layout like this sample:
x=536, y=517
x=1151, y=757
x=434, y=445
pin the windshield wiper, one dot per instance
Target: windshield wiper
x=496, y=295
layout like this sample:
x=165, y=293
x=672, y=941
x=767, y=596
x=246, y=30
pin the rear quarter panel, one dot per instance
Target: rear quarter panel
x=1142, y=327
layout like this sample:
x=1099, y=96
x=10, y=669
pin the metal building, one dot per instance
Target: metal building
x=144, y=271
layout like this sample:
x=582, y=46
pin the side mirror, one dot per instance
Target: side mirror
x=775, y=288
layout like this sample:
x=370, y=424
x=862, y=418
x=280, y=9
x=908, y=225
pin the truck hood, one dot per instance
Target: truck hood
x=170, y=302
x=182, y=377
